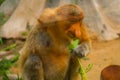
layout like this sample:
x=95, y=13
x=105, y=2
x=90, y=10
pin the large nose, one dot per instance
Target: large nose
x=75, y=28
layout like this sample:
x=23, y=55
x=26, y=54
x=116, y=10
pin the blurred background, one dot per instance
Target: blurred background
x=101, y=17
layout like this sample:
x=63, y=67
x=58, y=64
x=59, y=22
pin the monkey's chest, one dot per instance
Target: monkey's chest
x=56, y=66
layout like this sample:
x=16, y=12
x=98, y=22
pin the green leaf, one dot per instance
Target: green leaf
x=1, y=1
x=74, y=44
x=5, y=77
x=6, y=64
x=15, y=59
x=85, y=58
x=24, y=33
x=19, y=78
x=9, y=47
x=82, y=71
x=1, y=41
x=89, y=68
x=3, y=19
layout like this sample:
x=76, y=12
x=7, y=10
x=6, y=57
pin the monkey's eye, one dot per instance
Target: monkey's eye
x=71, y=34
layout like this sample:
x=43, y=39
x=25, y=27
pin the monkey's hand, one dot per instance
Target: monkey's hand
x=81, y=50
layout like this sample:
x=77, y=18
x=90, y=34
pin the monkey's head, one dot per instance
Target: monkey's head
x=73, y=15
x=66, y=18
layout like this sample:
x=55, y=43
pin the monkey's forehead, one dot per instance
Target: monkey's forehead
x=69, y=7
x=62, y=13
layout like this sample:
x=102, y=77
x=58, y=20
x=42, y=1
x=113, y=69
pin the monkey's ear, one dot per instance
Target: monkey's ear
x=41, y=22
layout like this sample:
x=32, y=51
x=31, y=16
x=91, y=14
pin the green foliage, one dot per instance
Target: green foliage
x=82, y=71
x=5, y=77
x=73, y=44
x=9, y=47
x=1, y=1
x=3, y=19
x=24, y=33
x=85, y=58
x=19, y=78
x=5, y=65
x=1, y=41
x=89, y=67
